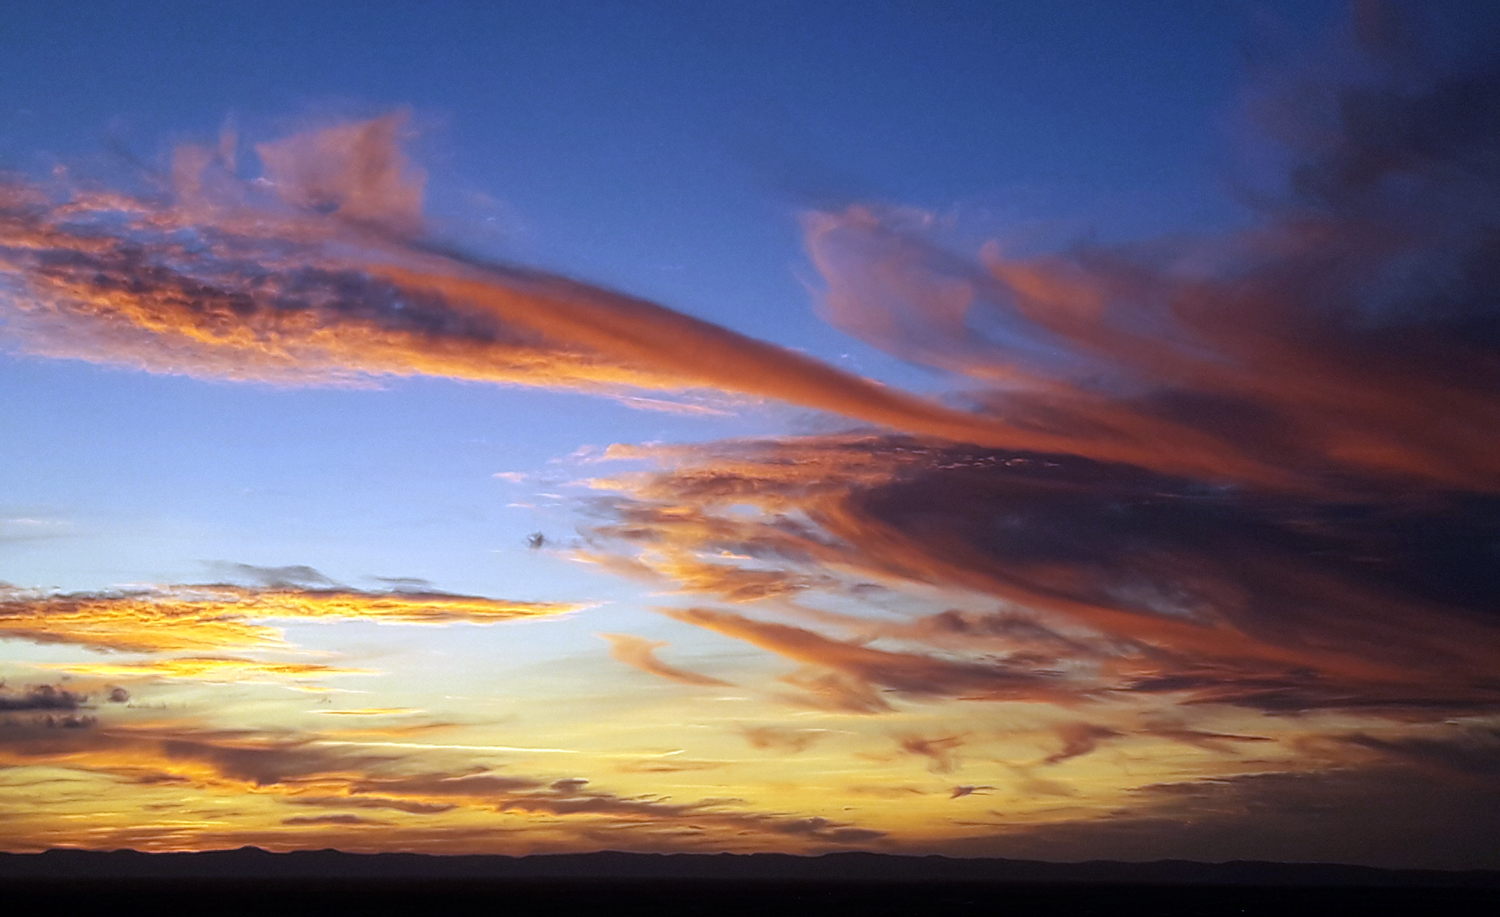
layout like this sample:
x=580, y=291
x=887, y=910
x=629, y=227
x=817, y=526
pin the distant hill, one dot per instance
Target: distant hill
x=254, y=863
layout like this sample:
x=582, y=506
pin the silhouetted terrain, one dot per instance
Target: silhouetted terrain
x=254, y=863
x=254, y=881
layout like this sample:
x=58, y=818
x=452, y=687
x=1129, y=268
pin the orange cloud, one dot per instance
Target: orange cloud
x=910, y=674
x=205, y=618
x=209, y=669
x=322, y=283
x=641, y=654
x=1134, y=583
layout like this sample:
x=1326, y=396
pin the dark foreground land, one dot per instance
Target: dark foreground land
x=252, y=881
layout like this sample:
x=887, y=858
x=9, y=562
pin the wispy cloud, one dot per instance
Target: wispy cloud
x=941, y=752
x=1109, y=578
x=196, y=619
x=317, y=273
x=640, y=653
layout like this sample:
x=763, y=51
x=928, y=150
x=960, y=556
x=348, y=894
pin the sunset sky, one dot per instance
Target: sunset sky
x=1055, y=430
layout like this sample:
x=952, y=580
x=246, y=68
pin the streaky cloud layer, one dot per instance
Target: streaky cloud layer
x=315, y=273
x=198, y=618
x=1107, y=580
x=1278, y=488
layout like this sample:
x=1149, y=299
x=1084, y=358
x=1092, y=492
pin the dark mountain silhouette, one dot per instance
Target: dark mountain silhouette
x=253, y=862
x=322, y=882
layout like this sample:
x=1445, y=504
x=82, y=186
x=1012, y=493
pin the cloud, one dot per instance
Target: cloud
x=297, y=576
x=239, y=757
x=304, y=770
x=1310, y=346
x=408, y=806
x=1221, y=742
x=1079, y=739
x=785, y=741
x=1470, y=752
x=940, y=752
x=207, y=618
x=40, y=697
x=1107, y=578
x=210, y=669
x=296, y=820
x=641, y=654
x=1427, y=823
x=315, y=273
x=355, y=171
x=572, y=798
x=910, y=674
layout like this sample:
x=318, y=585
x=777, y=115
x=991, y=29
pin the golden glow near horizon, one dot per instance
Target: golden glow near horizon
x=914, y=736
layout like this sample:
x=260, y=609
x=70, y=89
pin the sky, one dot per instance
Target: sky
x=1061, y=431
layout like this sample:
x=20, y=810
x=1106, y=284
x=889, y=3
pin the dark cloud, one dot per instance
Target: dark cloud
x=236, y=756
x=1280, y=602
x=704, y=813
x=1221, y=742
x=296, y=820
x=1271, y=480
x=909, y=674
x=1391, y=816
x=40, y=697
x=1469, y=752
x=68, y=721
x=297, y=576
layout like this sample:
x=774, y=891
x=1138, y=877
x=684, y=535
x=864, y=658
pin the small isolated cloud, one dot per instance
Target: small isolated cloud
x=941, y=752
x=296, y=576
x=1079, y=739
x=786, y=741
x=569, y=785
x=641, y=654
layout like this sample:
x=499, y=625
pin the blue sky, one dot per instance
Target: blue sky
x=661, y=149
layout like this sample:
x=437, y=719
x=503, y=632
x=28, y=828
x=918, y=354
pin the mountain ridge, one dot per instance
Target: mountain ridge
x=847, y=867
